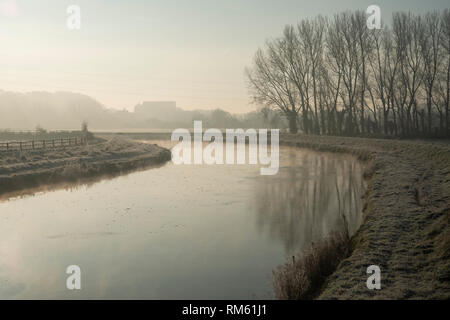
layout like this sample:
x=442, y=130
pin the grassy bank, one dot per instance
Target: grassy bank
x=405, y=230
x=100, y=158
x=303, y=277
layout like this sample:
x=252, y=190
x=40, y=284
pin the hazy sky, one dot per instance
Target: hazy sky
x=128, y=51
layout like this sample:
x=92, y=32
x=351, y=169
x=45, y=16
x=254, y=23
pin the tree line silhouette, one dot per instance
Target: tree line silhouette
x=335, y=76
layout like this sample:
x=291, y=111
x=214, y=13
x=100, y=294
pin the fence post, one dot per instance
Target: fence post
x=62, y=142
x=43, y=144
x=32, y=144
x=7, y=146
x=20, y=144
x=53, y=142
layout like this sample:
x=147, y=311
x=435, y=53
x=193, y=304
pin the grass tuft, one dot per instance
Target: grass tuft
x=303, y=277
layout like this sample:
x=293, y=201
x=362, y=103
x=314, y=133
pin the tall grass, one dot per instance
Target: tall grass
x=303, y=277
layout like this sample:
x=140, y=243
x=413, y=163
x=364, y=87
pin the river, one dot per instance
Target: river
x=176, y=231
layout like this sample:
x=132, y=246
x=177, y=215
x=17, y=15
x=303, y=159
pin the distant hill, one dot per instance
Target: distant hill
x=66, y=110
x=60, y=110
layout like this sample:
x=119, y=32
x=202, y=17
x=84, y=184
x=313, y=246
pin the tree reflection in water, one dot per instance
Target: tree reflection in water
x=309, y=197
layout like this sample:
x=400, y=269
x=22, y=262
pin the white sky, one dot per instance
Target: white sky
x=128, y=51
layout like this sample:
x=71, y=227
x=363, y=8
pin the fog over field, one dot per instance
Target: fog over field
x=67, y=110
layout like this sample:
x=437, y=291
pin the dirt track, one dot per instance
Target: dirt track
x=406, y=219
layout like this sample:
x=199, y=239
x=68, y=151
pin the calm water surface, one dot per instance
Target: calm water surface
x=174, y=232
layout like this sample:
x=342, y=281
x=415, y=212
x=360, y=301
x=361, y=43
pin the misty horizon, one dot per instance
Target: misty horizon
x=176, y=53
x=67, y=110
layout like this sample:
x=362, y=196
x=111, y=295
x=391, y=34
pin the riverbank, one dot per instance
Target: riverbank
x=406, y=224
x=100, y=158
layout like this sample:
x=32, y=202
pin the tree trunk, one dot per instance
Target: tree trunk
x=447, y=124
x=292, y=117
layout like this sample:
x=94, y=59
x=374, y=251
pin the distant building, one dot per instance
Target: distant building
x=161, y=110
x=150, y=107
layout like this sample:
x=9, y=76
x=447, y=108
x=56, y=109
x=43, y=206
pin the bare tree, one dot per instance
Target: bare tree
x=408, y=30
x=269, y=83
x=298, y=72
x=364, y=48
x=348, y=58
x=333, y=78
x=342, y=78
x=430, y=52
x=311, y=35
x=442, y=90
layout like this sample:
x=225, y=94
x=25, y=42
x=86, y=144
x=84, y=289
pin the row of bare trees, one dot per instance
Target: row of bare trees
x=338, y=77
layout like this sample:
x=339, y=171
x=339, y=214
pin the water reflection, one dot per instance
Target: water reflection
x=175, y=232
x=83, y=182
x=312, y=195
